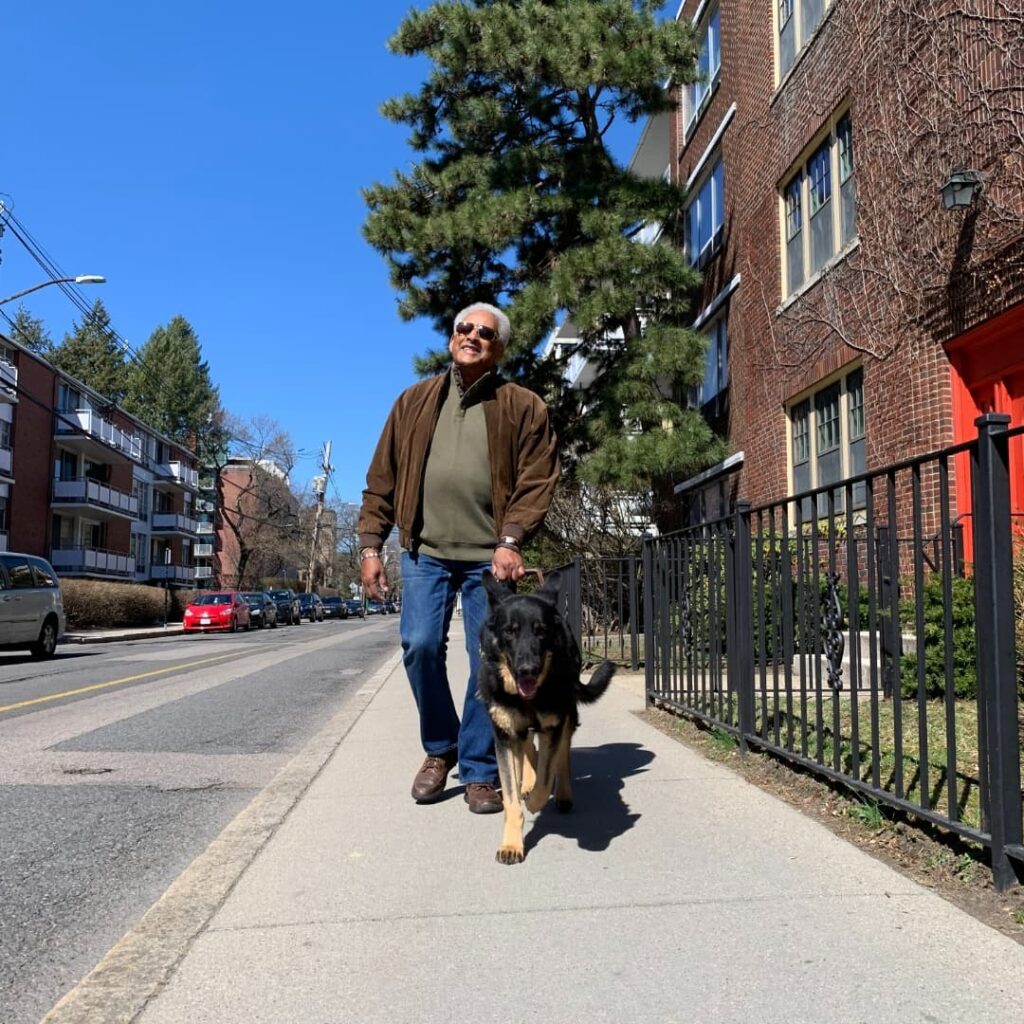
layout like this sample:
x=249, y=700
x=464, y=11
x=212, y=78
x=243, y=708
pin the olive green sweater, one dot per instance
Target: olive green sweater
x=458, y=517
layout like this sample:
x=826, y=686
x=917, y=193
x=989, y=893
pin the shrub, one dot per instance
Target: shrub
x=103, y=605
x=965, y=681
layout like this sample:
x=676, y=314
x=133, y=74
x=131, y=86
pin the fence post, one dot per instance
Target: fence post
x=647, y=557
x=634, y=633
x=994, y=617
x=740, y=622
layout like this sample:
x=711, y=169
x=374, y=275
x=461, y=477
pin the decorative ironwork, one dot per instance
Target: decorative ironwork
x=835, y=643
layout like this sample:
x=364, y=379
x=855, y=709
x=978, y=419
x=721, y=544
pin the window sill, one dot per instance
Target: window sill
x=818, y=275
x=798, y=59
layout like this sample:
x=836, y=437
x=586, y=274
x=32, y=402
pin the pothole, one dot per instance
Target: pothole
x=86, y=771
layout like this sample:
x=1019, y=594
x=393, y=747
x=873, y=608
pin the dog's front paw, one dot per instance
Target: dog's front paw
x=509, y=855
x=535, y=802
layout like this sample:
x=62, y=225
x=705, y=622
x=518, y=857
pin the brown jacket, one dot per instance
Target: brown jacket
x=521, y=446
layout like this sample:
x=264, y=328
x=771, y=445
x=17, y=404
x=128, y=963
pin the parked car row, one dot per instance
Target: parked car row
x=231, y=610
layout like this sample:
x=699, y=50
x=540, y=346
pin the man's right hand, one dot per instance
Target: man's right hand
x=374, y=578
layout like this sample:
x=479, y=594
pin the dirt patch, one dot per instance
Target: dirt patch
x=955, y=869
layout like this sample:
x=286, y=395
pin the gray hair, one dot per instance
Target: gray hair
x=504, y=327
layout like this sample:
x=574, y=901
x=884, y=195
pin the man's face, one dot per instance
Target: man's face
x=472, y=354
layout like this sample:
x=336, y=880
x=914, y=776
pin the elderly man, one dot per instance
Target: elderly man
x=465, y=467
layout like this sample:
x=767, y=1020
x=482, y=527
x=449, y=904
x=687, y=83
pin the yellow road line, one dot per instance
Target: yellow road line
x=113, y=682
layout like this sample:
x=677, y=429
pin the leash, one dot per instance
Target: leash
x=539, y=573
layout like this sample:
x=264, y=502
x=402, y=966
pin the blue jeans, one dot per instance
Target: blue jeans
x=429, y=587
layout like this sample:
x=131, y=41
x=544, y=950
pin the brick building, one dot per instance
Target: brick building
x=853, y=320
x=86, y=485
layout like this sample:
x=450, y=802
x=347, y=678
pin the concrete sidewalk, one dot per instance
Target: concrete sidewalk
x=675, y=892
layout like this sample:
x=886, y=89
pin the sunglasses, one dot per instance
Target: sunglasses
x=483, y=332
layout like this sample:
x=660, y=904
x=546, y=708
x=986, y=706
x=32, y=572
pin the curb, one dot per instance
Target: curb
x=109, y=638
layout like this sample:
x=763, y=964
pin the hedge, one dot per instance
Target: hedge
x=98, y=604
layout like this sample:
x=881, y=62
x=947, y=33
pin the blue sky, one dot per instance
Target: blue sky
x=207, y=158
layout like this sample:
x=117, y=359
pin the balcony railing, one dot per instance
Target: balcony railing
x=202, y=550
x=173, y=573
x=204, y=529
x=204, y=505
x=86, y=423
x=96, y=495
x=179, y=473
x=204, y=572
x=174, y=522
x=94, y=561
x=8, y=382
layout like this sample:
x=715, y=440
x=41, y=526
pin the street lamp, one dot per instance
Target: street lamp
x=81, y=279
x=961, y=188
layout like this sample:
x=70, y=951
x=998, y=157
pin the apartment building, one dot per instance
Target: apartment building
x=855, y=314
x=85, y=484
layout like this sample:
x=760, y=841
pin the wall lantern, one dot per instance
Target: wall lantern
x=961, y=188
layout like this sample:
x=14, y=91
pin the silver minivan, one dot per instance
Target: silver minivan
x=31, y=604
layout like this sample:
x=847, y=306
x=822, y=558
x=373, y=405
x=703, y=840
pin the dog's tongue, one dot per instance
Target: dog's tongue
x=527, y=687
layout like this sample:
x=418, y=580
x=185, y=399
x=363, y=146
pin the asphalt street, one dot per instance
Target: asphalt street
x=120, y=762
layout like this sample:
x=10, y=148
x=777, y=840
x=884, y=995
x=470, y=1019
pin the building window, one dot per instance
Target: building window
x=709, y=63
x=810, y=241
x=716, y=366
x=68, y=398
x=5, y=435
x=3, y=513
x=705, y=216
x=827, y=441
x=796, y=21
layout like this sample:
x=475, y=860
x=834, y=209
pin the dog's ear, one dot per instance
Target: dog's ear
x=549, y=590
x=497, y=592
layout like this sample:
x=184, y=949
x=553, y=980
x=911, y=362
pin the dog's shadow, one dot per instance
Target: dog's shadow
x=599, y=813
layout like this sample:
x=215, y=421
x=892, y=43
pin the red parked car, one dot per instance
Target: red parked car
x=219, y=609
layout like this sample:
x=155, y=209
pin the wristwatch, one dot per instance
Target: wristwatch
x=507, y=542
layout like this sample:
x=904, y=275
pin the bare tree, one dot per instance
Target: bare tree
x=256, y=506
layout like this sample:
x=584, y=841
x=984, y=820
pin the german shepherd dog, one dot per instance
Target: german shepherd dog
x=529, y=679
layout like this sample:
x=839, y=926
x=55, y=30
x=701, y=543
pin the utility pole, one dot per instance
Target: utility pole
x=319, y=488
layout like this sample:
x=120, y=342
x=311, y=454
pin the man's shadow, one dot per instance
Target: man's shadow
x=599, y=813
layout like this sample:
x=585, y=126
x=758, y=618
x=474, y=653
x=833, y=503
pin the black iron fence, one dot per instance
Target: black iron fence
x=603, y=598
x=863, y=631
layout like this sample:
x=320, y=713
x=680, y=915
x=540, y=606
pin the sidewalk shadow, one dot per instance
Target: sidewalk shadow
x=599, y=814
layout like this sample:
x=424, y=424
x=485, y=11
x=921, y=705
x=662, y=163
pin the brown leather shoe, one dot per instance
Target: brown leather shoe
x=483, y=798
x=431, y=778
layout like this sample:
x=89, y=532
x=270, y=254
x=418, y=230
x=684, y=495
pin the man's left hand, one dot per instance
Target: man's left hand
x=507, y=565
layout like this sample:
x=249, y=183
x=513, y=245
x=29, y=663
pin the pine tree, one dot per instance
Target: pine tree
x=168, y=385
x=93, y=355
x=517, y=198
x=31, y=332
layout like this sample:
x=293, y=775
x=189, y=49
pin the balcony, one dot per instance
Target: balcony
x=202, y=550
x=181, y=574
x=174, y=522
x=8, y=382
x=208, y=483
x=204, y=572
x=92, y=562
x=97, y=437
x=174, y=475
x=97, y=498
x=204, y=529
x=204, y=505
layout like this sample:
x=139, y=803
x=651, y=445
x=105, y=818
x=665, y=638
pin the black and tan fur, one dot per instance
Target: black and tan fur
x=529, y=679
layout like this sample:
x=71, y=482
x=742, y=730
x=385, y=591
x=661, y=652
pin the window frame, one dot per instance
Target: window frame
x=794, y=17
x=698, y=94
x=804, y=408
x=715, y=172
x=811, y=188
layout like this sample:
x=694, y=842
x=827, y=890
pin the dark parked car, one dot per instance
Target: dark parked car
x=355, y=608
x=311, y=607
x=287, y=606
x=335, y=608
x=262, y=609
